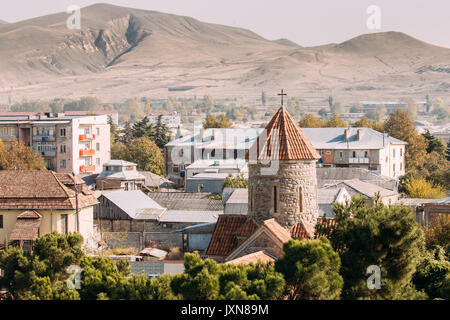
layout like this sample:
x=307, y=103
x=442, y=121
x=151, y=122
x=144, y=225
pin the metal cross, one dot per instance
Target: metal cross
x=282, y=94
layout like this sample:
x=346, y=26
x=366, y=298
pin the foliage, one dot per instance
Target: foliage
x=388, y=237
x=420, y=188
x=311, y=270
x=335, y=122
x=218, y=122
x=235, y=182
x=17, y=156
x=366, y=123
x=433, y=274
x=146, y=154
x=310, y=121
x=435, y=144
x=437, y=232
x=206, y=280
x=400, y=126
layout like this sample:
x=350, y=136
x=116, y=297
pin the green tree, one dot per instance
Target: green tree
x=323, y=113
x=143, y=128
x=311, y=270
x=219, y=122
x=335, y=122
x=400, y=126
x=17, y=156
x=387, y=237
x=162, y=134
x=435, y=144
x=366, y=123
x=235, y=182
x=118, y=151
x=420, y=188
x=146, y=154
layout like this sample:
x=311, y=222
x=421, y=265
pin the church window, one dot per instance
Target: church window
x=275, y=199
x=300, y=199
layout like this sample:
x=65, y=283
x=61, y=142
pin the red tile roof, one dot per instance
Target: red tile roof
x=325, y=226
x=285, y=140
x=302, y=230
x=230, y=231
x=41, y=189
x=278, y=231
x=254, y=258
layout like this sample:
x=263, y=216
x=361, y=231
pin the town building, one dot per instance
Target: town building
x=34, y=203
x=120, y=174
x=68, y=143
x=338, y=147
x=113, y=114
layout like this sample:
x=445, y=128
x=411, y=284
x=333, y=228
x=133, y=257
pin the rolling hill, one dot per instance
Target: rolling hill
x=122, y=52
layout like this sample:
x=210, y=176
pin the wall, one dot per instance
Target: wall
x=290, y=177
x=213, y=186
x=140, y=240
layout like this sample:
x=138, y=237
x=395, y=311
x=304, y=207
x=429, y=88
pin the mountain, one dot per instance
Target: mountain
x=3, y=22
x=123, y=52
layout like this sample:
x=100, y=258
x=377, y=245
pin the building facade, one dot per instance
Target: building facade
x=172, y=120
x=68, y=143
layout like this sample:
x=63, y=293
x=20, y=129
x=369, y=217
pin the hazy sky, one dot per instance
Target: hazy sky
x=306, y=22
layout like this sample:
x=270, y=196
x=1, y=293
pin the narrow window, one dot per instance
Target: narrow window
x=63, y=225
x=62, y=164
x=300, y=199
x=275, y=199
x=1, y=221
x=354, y=154
x=97, y=146
x=393, y=167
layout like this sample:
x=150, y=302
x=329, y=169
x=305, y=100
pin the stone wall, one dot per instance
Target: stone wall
x=141, y=240
x=292, y=179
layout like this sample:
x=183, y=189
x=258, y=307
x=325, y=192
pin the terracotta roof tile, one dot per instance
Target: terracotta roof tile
x=325, y=226
x=281, y=233
x=230, y=231
x=41, y=189
x=285, y=140
x=302, y=230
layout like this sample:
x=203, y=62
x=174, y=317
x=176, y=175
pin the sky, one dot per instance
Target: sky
x=306, y=22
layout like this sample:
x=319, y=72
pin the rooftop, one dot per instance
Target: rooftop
x=134, y=202
x=255, y=257
x=187, y=201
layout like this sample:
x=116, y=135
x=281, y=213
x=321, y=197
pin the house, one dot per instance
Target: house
x=338, y=147
x=143, y=221
x=68, y=143
x=328, y=197
x=33, y=203
x=119, y=174
x=172, y=120
x=197, y=237
x=235, y=200
x=359, y=148
x=369, y=191
x=431, y=210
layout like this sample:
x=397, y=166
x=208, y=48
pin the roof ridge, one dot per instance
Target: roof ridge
x=61, y=184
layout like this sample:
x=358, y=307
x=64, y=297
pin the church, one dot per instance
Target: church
x=282, y=191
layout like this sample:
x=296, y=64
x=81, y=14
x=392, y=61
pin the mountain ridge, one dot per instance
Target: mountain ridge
x=124, y=52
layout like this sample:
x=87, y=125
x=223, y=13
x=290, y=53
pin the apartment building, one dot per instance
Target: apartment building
x=339, y=147
x=68, y=143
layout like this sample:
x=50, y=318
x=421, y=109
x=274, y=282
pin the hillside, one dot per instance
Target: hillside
x=123, y=52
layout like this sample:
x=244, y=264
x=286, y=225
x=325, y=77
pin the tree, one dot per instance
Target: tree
x=335, y=122
x=310, y=121
x=162, y=134
x=127, y=133
x=400, y=126
x=235, y=182
x=323, y=113
x=219, y=122
x=437, y=233
x=146, y=154
x=387, y=237
x=433, y=274
x=118, y=151
x=420, y=188
x=311, y=270
x=366, y=123
x=143, y=128
x=17, y=156
x=435, y=144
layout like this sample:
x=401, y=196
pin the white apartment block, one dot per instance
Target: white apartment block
x=68, y=143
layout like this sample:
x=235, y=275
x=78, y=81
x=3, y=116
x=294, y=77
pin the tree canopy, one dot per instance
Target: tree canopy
x=16, y=156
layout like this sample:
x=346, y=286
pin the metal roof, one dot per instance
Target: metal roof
x=133, y=202
x=189, y=216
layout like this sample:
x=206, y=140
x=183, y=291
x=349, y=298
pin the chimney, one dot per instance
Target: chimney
x=360, y=133
x=202, y=133
x=347, y=134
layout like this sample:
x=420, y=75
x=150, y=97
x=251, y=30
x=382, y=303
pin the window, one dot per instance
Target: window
x=300, y=199
x=213, y=153
x=235, y=153
x=341, y=154
x=62, y=132
x=63, y=224
x=175, y=169
x=354, y=154
x=97, y=146
x=97, y=161
x=366, y=154
x=393, y=167
x=86, y=130
x=200, y=187
x=1, y=221
x=62, y=164
x=401, y=152
x=393, y=153
x=401, y=165
x=275, y=199
x=62, y=148
x=328, y=152
x=98, y=131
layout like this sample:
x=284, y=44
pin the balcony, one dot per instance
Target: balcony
x=87, y=137
x=43, y=138
x=358, y=160
x=87, y=152
x=87, y=169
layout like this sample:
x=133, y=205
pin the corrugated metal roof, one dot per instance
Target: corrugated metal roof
x=132, y=202
x=189, y=216
x=285, y=140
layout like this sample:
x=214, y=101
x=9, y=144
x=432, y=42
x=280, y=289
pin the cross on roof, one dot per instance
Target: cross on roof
x=282, y=94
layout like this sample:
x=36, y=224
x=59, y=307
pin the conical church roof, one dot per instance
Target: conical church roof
x=285, y=140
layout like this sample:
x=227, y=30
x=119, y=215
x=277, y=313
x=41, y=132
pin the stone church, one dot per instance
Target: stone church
x=282, y=196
